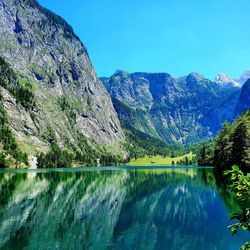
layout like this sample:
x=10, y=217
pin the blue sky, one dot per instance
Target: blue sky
x=174, y=36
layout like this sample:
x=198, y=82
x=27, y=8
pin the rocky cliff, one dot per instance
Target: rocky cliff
x=244, y=99
x=50, y=60
x=176, y=110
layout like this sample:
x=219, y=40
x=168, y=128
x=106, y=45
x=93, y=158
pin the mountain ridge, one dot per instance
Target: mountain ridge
x=175, y=110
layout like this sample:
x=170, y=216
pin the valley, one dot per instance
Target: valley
x=56, y=110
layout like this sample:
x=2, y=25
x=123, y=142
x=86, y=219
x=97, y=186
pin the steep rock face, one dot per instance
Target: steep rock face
x=44, y=52
x=244, y=99
x=182, y=110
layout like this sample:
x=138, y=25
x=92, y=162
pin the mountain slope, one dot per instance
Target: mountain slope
x=244, y=99
x=50, y=60
x=176, y=110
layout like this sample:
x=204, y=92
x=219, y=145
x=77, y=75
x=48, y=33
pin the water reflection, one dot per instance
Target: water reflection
x=125, y=209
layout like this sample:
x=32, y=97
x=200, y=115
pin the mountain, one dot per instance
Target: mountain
x=50, y=65
x=243, y=78
x=244, y=100
x=175, y=110
x=225, y=79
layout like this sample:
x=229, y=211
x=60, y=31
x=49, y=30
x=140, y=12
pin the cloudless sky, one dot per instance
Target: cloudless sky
x=174, y=36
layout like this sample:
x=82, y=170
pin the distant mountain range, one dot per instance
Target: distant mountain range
x=180, y=110
x=223, y=78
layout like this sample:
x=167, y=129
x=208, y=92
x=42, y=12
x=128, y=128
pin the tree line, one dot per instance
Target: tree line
x=230, y=147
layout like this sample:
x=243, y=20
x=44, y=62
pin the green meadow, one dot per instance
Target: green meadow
x=158, y=160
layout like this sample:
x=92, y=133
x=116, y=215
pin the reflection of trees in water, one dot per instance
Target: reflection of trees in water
x=8, y=184
x=134, y=209
x=175, y=216
x=62, y=209
x=224, y=191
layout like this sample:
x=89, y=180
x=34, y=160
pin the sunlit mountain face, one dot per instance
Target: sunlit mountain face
x=135, y=209
x=182, y=110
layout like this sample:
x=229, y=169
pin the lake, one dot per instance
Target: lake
x=124, y=208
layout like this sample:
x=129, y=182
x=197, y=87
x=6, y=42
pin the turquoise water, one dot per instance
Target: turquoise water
x=156, y=208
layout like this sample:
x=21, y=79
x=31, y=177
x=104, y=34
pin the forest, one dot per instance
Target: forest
x=230, y=147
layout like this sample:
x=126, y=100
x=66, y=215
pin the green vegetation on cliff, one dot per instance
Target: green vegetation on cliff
x=139, y=144
x=84, y=154
x=22, y=91
x=10, y=155
x=55, y=158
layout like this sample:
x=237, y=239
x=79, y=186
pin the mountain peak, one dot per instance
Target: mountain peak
x=226, y=80
x=222, y=78
x=195, y=76
x=120, y=72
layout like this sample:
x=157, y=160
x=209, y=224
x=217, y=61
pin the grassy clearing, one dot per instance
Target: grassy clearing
x=158, y=160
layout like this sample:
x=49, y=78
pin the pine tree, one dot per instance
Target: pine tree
x=202, y=156
x=241, y=143
x=223, y=146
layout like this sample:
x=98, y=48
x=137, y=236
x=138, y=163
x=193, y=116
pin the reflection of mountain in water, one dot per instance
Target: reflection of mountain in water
x=52, y=211
x=160, y=209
